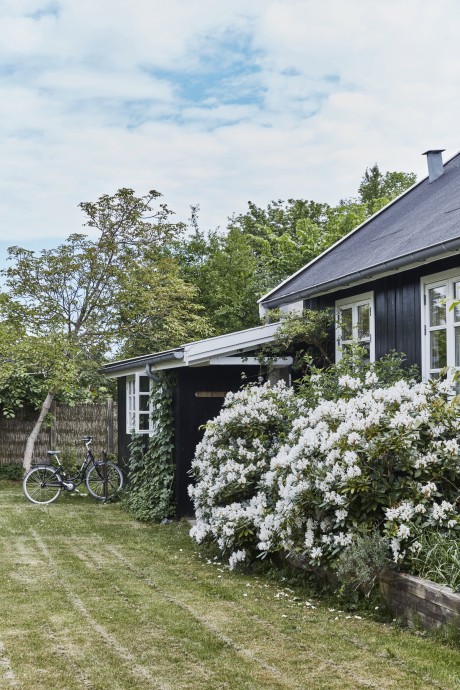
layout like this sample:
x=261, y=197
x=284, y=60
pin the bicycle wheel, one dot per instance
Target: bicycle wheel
x=41, y=485
x=94, y=480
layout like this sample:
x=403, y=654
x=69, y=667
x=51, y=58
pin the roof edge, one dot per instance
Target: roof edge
x=264, y=299
x=167, y=355
x=374, y=271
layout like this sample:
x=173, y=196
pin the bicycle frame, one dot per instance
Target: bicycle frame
x=79, y=477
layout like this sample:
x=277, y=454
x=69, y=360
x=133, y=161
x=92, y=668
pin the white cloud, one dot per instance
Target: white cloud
x=215, y=103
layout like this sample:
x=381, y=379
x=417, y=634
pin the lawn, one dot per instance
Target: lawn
x=91, y=599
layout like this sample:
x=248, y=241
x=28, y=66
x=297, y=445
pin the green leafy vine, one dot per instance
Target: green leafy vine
x=150, y=492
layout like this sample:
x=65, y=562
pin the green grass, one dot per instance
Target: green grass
x=91, y=599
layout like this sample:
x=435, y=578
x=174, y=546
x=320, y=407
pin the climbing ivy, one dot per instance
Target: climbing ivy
x=150, y=495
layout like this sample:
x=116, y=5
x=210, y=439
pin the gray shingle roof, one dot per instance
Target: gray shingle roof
x=422, y=223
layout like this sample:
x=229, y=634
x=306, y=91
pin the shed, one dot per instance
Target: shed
x=204, y=372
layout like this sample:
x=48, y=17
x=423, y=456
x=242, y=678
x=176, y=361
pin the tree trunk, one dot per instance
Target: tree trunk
x=29, y=451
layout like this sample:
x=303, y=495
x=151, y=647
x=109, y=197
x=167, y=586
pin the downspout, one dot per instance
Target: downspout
x=153, y=376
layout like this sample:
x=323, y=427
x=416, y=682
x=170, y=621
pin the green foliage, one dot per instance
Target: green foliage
x=436, y=557
x=361, y=564
x=11, y=471
x=157, y=308
x=304, y=336
x=324, y=383
x=66, y=307
x=224, y=270
x=264, y=246
x=377, y=189
x=149, y=495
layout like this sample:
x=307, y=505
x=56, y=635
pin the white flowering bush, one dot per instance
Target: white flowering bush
x=385, y=458
x=274, y=473
x=229, y=463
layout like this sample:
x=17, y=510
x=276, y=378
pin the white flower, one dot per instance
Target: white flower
x=316, y=553
x=236, y=557
x=348, y=381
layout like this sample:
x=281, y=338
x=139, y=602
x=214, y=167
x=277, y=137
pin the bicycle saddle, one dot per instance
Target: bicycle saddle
x=53, y=452
x=87, y=439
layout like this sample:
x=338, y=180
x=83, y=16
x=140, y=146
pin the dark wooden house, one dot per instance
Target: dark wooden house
x=391, y=281
x=204, y=371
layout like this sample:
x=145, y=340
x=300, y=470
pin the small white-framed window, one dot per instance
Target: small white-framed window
x=355, y=324
x=130, y=404
x=138, y=406
x=440, y=323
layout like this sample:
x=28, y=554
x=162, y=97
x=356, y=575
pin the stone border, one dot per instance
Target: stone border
x=416, y=600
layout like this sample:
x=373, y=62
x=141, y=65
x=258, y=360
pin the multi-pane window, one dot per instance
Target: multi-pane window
x=355, y=324
x=441, y=329
x=130, y=404
x=138, y=408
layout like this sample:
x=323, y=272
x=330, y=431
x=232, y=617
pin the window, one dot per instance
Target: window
x=138, y=408
x=355, y=324
x=441, y=325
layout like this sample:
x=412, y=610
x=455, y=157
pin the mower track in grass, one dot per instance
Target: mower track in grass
x=91, y=599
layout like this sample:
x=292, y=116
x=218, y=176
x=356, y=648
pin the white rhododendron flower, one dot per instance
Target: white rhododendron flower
x=275, y=475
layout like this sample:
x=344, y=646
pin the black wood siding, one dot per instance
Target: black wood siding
x=397, y=308
x=123, y=437
x=191, y=413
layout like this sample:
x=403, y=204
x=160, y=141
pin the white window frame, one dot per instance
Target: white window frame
x=134, y=411
x=448, y=279
x=366, y=298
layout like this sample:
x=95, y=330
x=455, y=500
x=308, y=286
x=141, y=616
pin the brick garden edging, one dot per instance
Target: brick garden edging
x=416, y=600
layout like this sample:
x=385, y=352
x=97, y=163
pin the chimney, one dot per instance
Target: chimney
x=435, y=166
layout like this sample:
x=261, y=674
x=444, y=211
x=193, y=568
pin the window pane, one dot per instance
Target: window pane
x=367, y=354
x=346, y=323
x=437, y=307
x=143, y=422
x=143, y=403
x=438, y=353
x=457, y=297
x=457, y=347
x=364, y=330
x=144, y=384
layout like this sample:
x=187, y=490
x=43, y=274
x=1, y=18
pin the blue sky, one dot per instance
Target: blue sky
x=215, y=103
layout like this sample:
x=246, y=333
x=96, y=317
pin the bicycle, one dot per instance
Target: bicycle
x=44, y=483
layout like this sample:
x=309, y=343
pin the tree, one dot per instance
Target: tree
x=377, y=189
x=71, y=298
x=157, y=308
x=264, y=246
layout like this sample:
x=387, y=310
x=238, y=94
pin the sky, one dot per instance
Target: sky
x=215, y=103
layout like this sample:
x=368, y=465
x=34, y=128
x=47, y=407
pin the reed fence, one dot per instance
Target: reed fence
x=69, y=427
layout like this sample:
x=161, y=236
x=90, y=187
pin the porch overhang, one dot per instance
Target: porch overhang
x=229, y=349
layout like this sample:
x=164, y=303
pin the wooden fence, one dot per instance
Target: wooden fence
x=70, y=425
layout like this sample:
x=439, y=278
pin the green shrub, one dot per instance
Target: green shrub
x=11, y=470
x=361, y=564
x=359, y=448
x=230, y=462
x=435, y=556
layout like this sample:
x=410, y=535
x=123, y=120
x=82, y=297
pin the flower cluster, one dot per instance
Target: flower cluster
x=229, y=463
x=273, y=474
